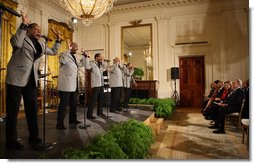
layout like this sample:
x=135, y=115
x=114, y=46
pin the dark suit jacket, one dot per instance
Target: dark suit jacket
x=245, y=113
x=234, y=101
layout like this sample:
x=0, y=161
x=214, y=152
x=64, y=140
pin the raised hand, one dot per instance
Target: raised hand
x=57, y=34
x=25, y=18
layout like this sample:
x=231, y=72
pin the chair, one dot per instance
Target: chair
x=245, y=130
x=236, y=117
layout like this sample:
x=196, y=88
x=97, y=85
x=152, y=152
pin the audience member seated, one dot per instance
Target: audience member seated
x=231, y=105
x=221, y=96
x=245, y=112
x=213, y=86
x=218, y=86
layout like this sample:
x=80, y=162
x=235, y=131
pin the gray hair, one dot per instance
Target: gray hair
x=239, y=82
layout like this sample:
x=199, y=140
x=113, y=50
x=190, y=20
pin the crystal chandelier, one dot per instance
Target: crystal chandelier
x=87, y=10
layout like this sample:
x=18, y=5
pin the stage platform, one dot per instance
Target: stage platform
x=73, y=136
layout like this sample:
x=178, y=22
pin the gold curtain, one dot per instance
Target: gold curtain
x=8, y=28
x=53, y=61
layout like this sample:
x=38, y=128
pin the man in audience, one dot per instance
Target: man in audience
x=233, y=104
x=245, y=113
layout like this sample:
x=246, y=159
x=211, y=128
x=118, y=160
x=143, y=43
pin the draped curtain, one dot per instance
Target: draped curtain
x=8, y=28
x=53, y=61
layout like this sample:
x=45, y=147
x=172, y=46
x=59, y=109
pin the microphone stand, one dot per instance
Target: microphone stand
x=126, y=89
x=107, y=90
x=45, y=145
x=84, y=126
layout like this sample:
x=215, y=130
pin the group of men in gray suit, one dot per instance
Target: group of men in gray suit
x=22, y=80
x=119, y=77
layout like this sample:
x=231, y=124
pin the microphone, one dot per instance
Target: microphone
x=106, y=60
x=46, y=38
x=85, y=55
x=56, y=34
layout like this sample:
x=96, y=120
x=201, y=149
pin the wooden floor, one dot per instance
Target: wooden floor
x=187, y=137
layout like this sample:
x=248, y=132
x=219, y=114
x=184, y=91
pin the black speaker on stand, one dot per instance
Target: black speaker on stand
x=174, y=76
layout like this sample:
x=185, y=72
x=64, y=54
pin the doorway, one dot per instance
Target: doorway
x=192, y=81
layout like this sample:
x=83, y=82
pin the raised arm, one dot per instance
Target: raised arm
x=18, y=38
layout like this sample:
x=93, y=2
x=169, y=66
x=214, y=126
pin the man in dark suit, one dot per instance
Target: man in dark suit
x=22, y=80
x=232, y=105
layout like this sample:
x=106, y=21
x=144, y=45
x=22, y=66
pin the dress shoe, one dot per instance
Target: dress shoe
x=15, y=145
x=75, y=122
x=219, y=131
x=60, y=127
x=213, y=127
x=34, y=140
x=208, y=118
x=211, y=122
x=91, y=117
x=101, y=115
x=120, y=109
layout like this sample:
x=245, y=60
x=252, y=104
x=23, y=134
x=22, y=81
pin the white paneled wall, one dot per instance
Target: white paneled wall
x=222, y=24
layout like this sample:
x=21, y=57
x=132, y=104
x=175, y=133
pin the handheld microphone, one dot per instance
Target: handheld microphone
x=56, y=34
x=46, y=38
x=106, y=60
x=85, y=55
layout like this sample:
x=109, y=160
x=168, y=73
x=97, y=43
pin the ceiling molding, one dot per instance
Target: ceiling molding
x=140, y=5
x=153, y=4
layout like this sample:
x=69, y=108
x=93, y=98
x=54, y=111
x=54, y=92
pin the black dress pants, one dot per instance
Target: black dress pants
x=115, y=98
x=14, y=94
x=127, y=96
x=223, y=111
x=97, y=95
x=67, y=98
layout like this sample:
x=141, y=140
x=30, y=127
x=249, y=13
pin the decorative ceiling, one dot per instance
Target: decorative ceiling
x=137, y=37
x=126, y=2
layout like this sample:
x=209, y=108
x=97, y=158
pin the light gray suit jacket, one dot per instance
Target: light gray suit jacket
x=97, y=73
x=127, y=77
x=116, y=76
x=22, y=61
x=68, y=72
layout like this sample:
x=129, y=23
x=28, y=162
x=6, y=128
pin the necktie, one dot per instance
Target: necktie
x=75, y=61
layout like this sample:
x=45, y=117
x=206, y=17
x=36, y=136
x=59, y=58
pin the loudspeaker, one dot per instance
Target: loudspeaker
x=174, y=73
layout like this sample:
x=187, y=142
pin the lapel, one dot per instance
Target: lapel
x=43, y=47
x=28, y=40
x=74, y=59
x=233, y=93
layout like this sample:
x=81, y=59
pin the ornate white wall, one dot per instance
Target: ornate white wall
x=222, y=24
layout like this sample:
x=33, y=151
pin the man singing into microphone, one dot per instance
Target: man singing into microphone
x=116, y=84
x=22, y=80
x=127, y=79
x=68, y=85
x=97, y=82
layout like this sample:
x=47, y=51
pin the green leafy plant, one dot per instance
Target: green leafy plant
x=125, y=140
x=163, y=107
x=134, y=138
x=105, y=147
x=138, y=73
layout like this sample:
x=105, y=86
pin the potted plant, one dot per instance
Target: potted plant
x=138, y=73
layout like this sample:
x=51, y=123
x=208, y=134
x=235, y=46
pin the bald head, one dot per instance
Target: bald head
x=116, y=60
x=74, y=47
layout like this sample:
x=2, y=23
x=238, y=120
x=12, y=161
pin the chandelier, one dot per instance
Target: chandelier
x=87, y=10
